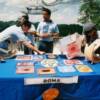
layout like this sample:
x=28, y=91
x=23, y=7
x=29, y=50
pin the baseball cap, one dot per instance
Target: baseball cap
x=88, y=27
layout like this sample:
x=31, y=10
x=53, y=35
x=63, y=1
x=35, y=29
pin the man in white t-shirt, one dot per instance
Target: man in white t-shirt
x=92, y=47
x=46, y=30
x=18, y=33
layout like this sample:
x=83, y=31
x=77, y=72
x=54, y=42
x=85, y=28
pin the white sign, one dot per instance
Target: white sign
x=47, y=80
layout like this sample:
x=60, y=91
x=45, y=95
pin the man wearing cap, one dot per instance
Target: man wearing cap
x=90, y=32
x=92, y=46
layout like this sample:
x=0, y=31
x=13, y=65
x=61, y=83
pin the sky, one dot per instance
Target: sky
x=67, y=13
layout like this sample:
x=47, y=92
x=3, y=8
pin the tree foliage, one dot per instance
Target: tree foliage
x=64, y=29
x=90, y=12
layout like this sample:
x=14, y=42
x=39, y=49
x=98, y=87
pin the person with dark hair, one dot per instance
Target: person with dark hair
x=30, y=34
x=18, y=32
x=25, y=17
x=46, y=30
x=47, y=10
x=26, y=24
x=90, y=32
x=22, y=19
x=92, y=45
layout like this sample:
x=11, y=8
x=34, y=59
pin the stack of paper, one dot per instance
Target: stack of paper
x=71, y=62
x=24, y=57
x=83, y=68
x=65, y=69
x=49, y=63
x=46, y=71
x=24, y=67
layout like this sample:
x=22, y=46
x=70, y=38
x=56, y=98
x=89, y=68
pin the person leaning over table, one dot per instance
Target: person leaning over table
x=46, y=30
x=30, y=34
x=18, y=32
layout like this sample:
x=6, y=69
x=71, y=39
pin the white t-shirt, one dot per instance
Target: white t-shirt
x=13, y=31
x=47, y=27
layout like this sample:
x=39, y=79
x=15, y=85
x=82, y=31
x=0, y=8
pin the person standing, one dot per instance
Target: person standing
x=46, y=30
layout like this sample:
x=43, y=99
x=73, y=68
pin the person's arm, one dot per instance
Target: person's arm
x=26, y=41
x=4, y=36
x=97, y=45
x=55, y=34
x=29, y=45
x=32, y=32
x=44, y=35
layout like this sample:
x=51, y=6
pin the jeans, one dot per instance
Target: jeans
x=28, y=50
x=46, y=46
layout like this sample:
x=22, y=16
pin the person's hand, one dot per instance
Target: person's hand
x=33, y=32
x=12, y=52
x=45, y=35
x=1, y=57
x=41, y=52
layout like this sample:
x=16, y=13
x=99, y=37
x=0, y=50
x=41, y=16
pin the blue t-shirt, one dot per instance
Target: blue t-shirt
x=47, y=28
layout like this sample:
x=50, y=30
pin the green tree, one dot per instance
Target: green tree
x=90, y=12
